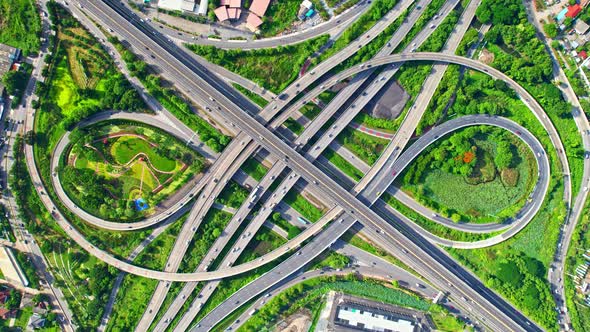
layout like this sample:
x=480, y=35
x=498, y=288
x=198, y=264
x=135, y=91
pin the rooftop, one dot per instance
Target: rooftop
x=234, y=13
x=259, y=7
x=253, y=22
x=581, y=27
x=186, y=5
x=370, y=321
x=221, y=13
x=8, y=55
x=573, y=11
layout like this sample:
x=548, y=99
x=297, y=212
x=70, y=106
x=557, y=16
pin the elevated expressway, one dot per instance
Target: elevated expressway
x=275, y=198
x=181, y=245
x=319, y=121
x=299, y=164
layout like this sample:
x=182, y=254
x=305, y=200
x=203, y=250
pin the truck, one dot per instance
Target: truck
x=303, y=220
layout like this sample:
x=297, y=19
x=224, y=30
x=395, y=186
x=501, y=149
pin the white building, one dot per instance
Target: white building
x=184, y=5
x=372, y=321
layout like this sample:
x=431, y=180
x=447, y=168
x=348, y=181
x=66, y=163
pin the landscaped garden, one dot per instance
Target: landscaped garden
x=494, y=167
x=121, y=171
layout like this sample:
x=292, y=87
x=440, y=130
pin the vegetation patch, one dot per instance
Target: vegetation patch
x=20, y=25
x=254, y=97
x=122, y=171
x=133, y=296
x=254, y=168
x=294, y=126
x=271, y=68
x=303, y=206
x=310, y=110
x=292, y=231
x=343, y=165
x=495, y=167
x=368, y=148
x=279, y=16
x=233, y=195
x=308, y=293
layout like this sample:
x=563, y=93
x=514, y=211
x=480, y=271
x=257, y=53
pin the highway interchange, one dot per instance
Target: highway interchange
x=256, y=129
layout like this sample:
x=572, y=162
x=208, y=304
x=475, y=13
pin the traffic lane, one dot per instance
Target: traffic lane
x=282, y=149
x=280, y=272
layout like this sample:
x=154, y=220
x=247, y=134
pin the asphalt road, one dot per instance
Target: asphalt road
x=292, y=178
x=336, y=23
x=300, y=165
x=557, y=272
x=274, y=145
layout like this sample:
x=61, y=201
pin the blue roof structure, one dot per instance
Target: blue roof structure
x=561, y=16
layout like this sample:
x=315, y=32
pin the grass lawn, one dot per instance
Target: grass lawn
x=233, y=195
x=211, y=227
x=368, y=148
x=343, y=165
x=303, y=206
x=294, y=126
x=264, y=241
x=490, y=200
x=257, y=99
x=254, y=168
x=273, y=69
x=125, y=148
x=65, y=91
x=310, y=110
x=20, y=25
x=292, y=231
x=22, y=318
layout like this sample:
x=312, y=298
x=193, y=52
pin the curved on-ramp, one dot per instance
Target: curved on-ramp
x=524, y=216
x=227, y=272
x=113, y=225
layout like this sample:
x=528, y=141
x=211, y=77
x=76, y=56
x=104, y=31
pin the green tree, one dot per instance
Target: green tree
x=504, y=155
x=550, y=29
x=14, y=81
x=30, y=137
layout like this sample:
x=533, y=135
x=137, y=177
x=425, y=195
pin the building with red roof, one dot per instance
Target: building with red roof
x=259, y=7
x=573, y=11
x=253, y=22
x=583, y=55
x=6, y=314
x=221, y=13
